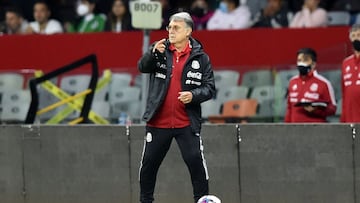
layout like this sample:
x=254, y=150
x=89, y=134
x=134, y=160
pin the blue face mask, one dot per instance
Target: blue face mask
x=223, y=7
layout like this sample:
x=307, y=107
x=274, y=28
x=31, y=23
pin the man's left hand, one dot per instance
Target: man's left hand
x=185, y=97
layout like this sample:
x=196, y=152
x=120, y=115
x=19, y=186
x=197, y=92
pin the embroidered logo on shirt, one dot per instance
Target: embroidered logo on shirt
x=294, y=87
x=192, y=82
x=196, y=75
x=347, y=69
x=348, y=75
x=314, y=87
x=195, y=64
x=160, y=75
x=311, y=95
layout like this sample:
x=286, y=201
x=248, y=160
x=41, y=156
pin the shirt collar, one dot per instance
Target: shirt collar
x=185, y=51
x=309, y=75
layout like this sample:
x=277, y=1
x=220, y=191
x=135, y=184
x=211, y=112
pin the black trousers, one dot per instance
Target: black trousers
x=156, y=145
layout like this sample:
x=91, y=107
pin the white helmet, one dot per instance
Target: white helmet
x=209, y=199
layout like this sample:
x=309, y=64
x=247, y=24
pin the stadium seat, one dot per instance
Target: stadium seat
x=338, y=18
x=280, y=105
x=265, y=112
x=210, y=107
x=138, y=80
x=102, y=108
x=236, y=111
x=11, y=81
x=124, y=99
x=334, y=76
x=257, y=78
x=73, y=84
x=263, y=93
x=226, y=78
x=231, y=93
x=132, y=109
x=15, y=105
x=282, y=77
x=46, y=99
x=338, y=108
x=357, y=19
x=120, y=80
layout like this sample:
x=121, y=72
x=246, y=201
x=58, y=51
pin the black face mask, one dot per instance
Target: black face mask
x=304, y=70
x=198, y=12
x=356, y=45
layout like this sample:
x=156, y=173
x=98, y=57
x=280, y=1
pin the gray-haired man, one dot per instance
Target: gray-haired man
x=181, y=77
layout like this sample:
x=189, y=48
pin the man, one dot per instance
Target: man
x=42, y=23
x=181, y=77
x=351, y=80
x=230, y=16
x=274, y=15
x=15, y=23
x=89, y=22
x=310, y=96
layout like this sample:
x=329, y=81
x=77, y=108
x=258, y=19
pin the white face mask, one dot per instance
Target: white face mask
x=82, y=9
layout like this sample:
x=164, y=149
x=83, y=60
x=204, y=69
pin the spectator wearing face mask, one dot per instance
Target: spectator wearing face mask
x=200, y=14
x=89, y=22
x=351, y=80
x=43, y=24
x=310, y=96
x=230, y=16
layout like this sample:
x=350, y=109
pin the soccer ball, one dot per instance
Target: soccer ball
x=209, y=199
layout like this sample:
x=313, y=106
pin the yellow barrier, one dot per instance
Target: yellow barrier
x=64, y=101
x=75, y=104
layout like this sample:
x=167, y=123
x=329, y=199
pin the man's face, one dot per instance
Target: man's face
x=355, y=35
x=274, y=4
x=41, y=13
x=178, y=31
x=304, y=58
x=13, y=21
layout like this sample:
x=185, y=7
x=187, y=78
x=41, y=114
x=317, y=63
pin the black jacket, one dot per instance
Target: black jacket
x=197, y=77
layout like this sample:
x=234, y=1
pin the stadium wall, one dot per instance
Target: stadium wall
x=247, y=163
x=250, y=48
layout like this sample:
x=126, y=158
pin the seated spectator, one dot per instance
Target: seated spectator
x=275, y=15
x=89, y=21
x=255, y=6
x=310, y=16
x=200, y=14
x=119, y=19
x=14, y=22
x=42, y=23
x=230, y=16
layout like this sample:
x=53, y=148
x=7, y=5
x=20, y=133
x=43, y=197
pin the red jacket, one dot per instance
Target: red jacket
x=311, y=88
x=350, y=89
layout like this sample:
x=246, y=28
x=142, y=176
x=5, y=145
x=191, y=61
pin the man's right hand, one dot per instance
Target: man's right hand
x=160, y=46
